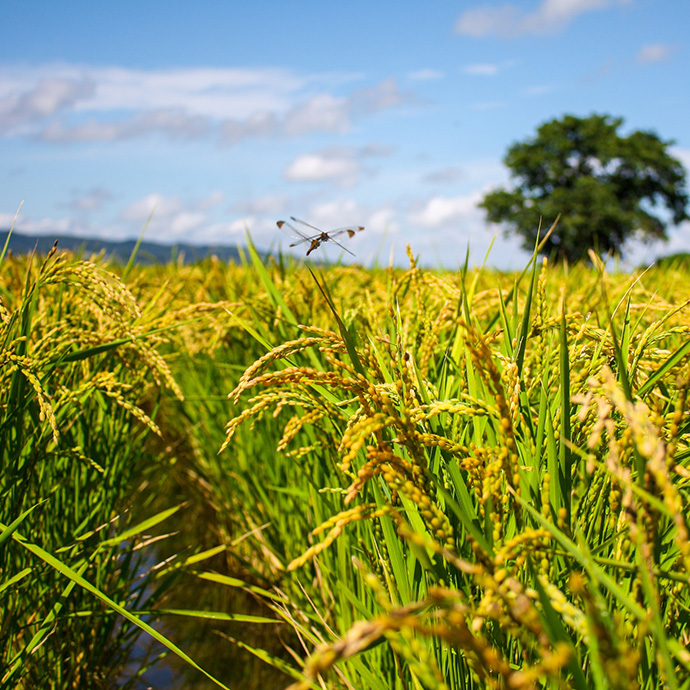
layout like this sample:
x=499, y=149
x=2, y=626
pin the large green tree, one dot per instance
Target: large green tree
x=607, y=188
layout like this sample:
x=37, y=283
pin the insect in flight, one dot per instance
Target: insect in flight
x=315, y=241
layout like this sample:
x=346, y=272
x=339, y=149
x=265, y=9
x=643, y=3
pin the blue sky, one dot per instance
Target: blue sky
x=222, y=116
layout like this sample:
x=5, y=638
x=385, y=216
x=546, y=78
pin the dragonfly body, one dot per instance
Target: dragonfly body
x=316, y=240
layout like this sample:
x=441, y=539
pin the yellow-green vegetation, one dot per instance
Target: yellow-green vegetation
x=434, y=480
x=81, y=378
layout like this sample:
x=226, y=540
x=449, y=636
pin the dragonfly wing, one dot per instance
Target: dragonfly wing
x=350, y=231
x=295, y=234
x=304, y=222
x=330, y=239
x=316, y=240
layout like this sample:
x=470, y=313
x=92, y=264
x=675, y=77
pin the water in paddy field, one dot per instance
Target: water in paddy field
x=206, y=641
x=235, y=667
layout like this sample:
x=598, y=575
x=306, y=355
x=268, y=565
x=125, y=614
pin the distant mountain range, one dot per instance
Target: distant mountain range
x=148, y=252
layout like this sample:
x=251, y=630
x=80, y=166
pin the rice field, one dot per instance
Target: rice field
x=384, y=479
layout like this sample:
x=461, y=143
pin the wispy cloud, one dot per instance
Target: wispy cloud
x=654, y=52
x=163, y=207
x=487, y=69
x=482, y=69
x=172, y=218
x=509, y=20
x=426, y=75
x=683, y=155
x=175, y=124
x=45, y=99
x=268, y=204
x=538, y=90
x=441, y=210
x=38, y=226
x=88, y=200
x=68, y=104
x=346, y=211
x=444, y=176
x=339, y=165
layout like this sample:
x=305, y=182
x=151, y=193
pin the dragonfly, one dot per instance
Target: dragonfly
x=315, y=241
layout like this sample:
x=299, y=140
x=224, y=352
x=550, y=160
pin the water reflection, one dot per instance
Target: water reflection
x=208, y=642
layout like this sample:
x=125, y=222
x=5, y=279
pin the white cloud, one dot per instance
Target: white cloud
x=67, y=104
x=488, y=69
x=45, y=99
x=235, y=227
x=323, y=113
x=186, y=221
x=484, y=69
x=258, y=124
x=678, y=241
x=511, y=21
x=211, y=92
x=211, y=200
x=174, y=123
x=315, y=166
x=538, y=90
x=641, y=253
x=269, y=204
x=344, y=211
x=168, y=218
x=452, y=224
x=336, y=213
x=381, y=96
x=683, y=155
x=654, y=52
x=174, y=219
x=426, y=75
x=340, y=165
x=160, y=206
x=449, y=175
x=441, y=210
x=90, y=200
x=327, y=113
x=41, y=226
x=384, y=219
x=487, y=20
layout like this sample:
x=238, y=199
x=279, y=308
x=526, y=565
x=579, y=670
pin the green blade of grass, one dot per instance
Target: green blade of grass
x=9, y=232
x=581, y=556
x=76, y=579
x=8, y=531
x=347, y=337
x=557, y=632
x=240, y=584
x=564, y=453
x=664, y=368
x=135, y=250
x=142, y=526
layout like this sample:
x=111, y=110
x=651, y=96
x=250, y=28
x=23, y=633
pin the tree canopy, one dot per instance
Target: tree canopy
x=607, y=188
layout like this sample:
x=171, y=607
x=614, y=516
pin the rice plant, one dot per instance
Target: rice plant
x=79, y=382
x=501, y=480
x=429, y=479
